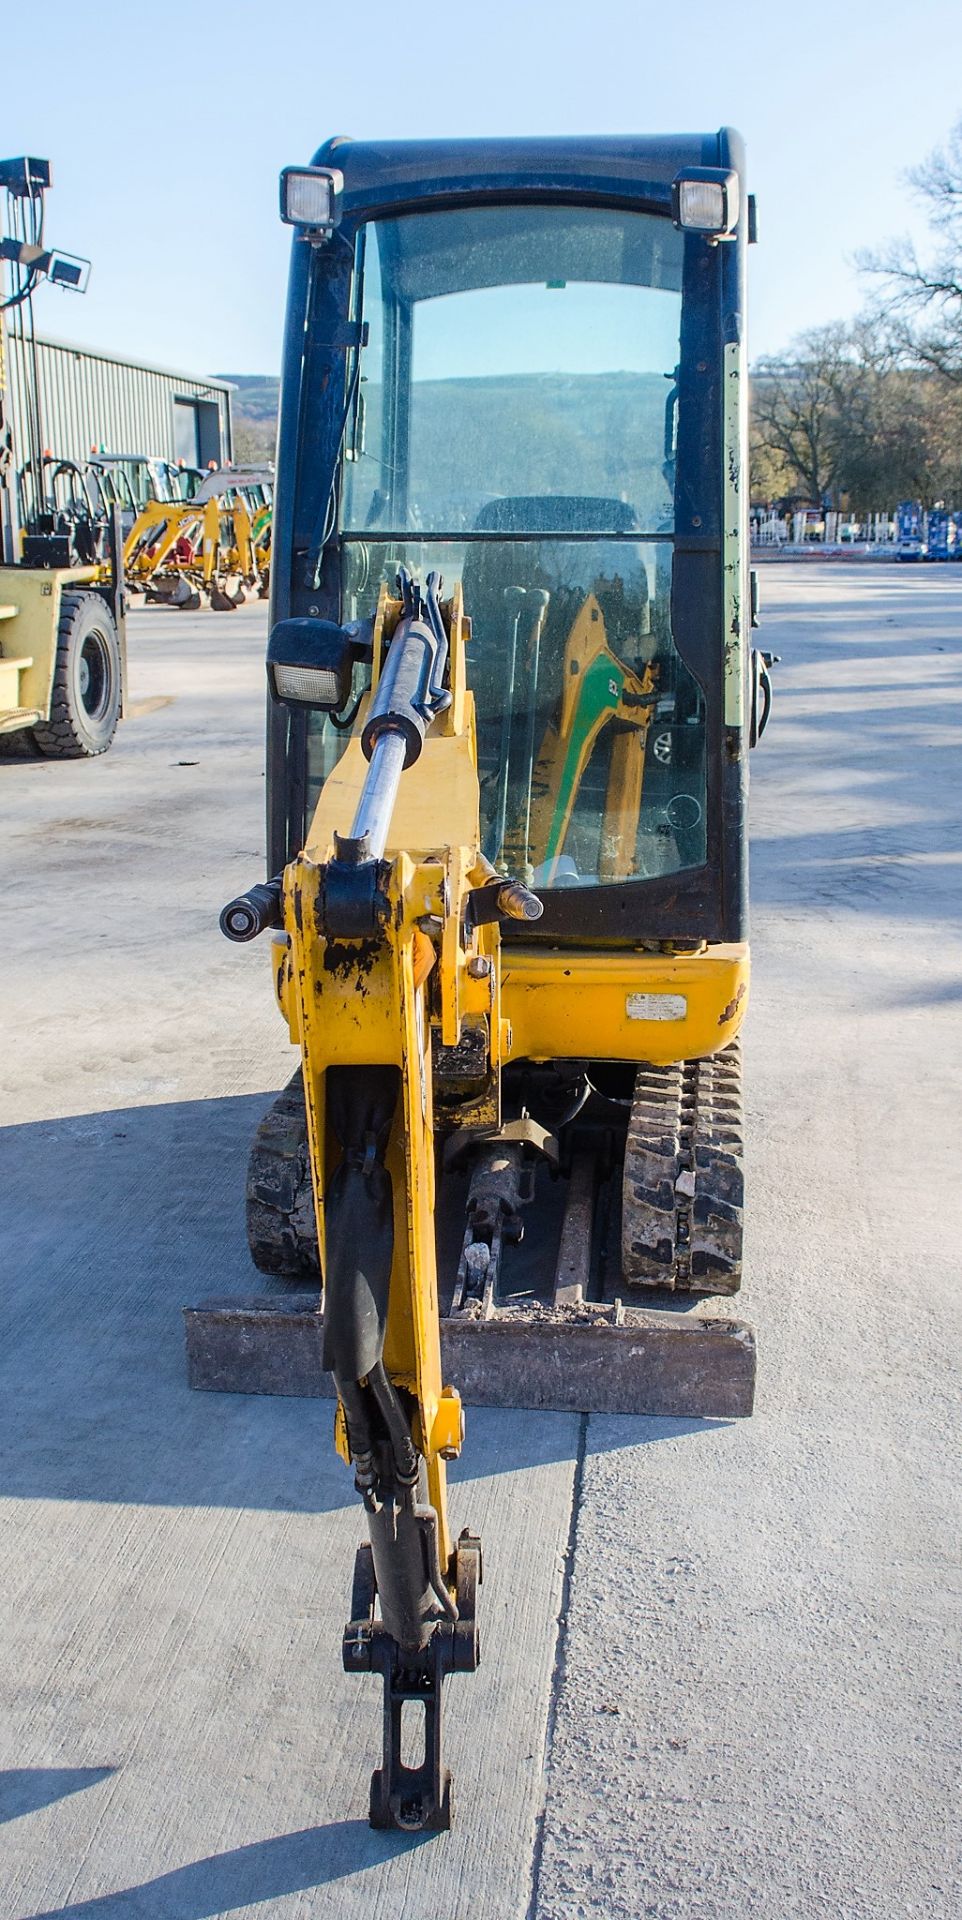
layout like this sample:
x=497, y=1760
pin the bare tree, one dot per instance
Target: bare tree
x=795, y=408
x=923, y=299
x=898, y=425
x=842, y=418
x=866, y=414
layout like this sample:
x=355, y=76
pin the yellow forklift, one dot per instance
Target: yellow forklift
x=512, y=694
x=62, y=606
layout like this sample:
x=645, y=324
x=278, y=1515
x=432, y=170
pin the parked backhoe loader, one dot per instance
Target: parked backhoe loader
x=512, y=696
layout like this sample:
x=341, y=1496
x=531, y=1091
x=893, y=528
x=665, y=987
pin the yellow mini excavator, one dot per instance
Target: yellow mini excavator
x=217, y=539
x=512, y=694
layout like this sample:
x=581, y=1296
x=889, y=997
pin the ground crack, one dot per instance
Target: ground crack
x=560, y=1661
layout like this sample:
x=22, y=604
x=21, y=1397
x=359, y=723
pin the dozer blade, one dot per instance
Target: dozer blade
x=632, y=1360
x=558, y=1331
x=545, y=1343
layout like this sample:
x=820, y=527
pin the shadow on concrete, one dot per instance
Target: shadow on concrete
x=264, y=1870
x=116, y=1220
x=27, y=1789
x=119, y=1219
x=897, y=871
x=942, y=993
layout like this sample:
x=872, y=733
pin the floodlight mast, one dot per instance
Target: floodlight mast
x=25, y=180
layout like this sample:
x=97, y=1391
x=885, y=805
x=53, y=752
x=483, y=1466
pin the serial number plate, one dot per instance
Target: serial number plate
x=656, y=1006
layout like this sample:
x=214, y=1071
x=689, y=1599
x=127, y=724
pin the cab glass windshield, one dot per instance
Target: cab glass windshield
x=514, y=351
x=510, y=421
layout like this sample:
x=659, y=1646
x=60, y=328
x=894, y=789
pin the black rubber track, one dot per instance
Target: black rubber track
x=683, y=1193
x=281, y=1227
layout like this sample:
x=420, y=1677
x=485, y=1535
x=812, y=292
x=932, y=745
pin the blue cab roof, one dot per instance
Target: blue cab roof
x=382, y=173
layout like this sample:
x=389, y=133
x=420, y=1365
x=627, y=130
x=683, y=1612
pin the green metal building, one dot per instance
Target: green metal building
x=91, y=399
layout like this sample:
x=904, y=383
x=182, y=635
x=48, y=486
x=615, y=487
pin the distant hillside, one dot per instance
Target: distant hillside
x=254, y=411
x=474, y=438
x=256, y=396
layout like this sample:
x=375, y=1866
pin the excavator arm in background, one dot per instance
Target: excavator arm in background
x=598, y=691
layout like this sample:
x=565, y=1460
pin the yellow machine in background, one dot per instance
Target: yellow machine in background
x=63, y=663
x=62, y=658
x=62, y=606
x=216, y=543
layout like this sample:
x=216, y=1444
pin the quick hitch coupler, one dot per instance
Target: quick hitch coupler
x=415, y=1799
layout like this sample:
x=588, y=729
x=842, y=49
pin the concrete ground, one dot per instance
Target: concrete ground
x=721, y=1676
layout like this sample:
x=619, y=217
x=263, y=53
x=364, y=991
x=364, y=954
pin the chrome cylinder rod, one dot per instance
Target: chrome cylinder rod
x=379, y=792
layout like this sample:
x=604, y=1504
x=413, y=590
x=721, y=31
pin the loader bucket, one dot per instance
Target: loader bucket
x=222, y=602
x=173, y=590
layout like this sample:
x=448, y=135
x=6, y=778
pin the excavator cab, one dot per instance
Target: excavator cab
x=512, y=697
x=513, y=366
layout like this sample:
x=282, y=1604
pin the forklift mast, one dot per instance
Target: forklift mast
x=509, y=361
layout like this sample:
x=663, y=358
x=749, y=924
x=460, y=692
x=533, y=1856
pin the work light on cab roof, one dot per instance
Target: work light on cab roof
x=706, y=200
x=309, y=198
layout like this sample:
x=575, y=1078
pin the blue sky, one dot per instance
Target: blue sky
x=167, y=131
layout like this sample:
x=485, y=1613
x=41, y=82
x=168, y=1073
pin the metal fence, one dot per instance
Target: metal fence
x=906, y=532
x=811, y=528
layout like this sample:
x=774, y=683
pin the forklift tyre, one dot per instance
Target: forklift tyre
x=86, y=694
